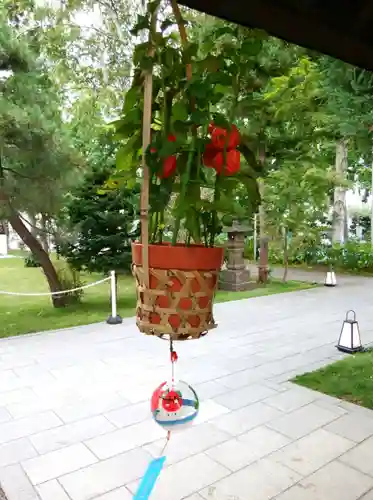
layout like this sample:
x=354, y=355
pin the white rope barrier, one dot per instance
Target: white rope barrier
x=46, y=294
x=113, y=319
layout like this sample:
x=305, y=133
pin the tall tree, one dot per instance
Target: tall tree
x=35, y=152
x=101, y=224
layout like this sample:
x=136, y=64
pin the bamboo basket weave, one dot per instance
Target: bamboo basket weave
x=178, y=303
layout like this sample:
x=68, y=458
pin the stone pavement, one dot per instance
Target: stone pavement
x=75, y=422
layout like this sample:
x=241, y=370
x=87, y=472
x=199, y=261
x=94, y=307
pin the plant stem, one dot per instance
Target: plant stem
x=214, y=214
x=182, y=32
x=184, y=185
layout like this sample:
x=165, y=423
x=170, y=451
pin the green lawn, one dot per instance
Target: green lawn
x=20, y=315
x=350, y=379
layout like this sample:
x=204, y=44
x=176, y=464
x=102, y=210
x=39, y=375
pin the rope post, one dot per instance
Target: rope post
x=114, y=318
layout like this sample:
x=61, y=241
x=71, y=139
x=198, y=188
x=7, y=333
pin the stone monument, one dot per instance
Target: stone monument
x=235, y=277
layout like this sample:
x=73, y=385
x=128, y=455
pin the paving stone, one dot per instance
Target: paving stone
x=16, y=484
x=302, y=421
x=16, y=451
x=361, y=457
x=209, y=389
x=355, y=427
x=291, y=400
x=130, y=414
x=88, y=408
x=125, y=439
x=5, y=416
x=188, y=442
x=242, y=397
x=242, y=420
x=105, y=476
x=184, y=478
x=240, y=379
x=55, y=464
x=208, y=410
x=69, y=434
x=52, y=490
x=247, y=448
x=367, y=496
x=118, y=494
x=10, y=397
x=335, y=481
x=9, y=381
x=312, y=451
x=262, y=480
x=29, y=425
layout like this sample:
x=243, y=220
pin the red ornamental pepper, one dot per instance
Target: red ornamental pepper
x=168, y=168
x=209, y=155
x=222, y=138
x=230, y=166
x=169, y=164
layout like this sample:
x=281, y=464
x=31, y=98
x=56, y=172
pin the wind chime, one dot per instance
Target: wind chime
x=173, y=303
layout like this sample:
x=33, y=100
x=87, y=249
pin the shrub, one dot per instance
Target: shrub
x=69, y=278
x=31, y=261
x=353, y=256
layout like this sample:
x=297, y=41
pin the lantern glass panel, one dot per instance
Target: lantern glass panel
x=356, y=341
x=345, y=337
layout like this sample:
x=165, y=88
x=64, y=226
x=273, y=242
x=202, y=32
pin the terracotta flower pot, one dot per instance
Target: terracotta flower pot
x=182, y=284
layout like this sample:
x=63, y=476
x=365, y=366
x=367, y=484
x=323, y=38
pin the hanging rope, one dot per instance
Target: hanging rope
x=47, y=294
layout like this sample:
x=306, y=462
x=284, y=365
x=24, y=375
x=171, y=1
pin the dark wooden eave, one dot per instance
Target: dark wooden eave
x=340, y=28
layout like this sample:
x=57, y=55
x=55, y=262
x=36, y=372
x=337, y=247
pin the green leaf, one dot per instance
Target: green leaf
x=220, y=120
x=210, y=63
x=190, y=51
x=124, y=159
x=168, y=148
x=166, y=24
x=251, y=47
x=180, y=112
x=140, y=51
x=250, y=158
x=143, y=22
x=153, y=6
x=130, y=99
x=199, y=117
x=146, y=63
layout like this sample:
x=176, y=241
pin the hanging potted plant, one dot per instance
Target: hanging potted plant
x=192, y=172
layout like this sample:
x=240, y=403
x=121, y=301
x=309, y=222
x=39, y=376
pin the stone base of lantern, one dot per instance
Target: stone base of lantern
x=236, y=280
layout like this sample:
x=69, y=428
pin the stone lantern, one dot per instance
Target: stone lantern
x=235, y=277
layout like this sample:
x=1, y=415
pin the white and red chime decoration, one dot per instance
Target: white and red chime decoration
x=174, y=406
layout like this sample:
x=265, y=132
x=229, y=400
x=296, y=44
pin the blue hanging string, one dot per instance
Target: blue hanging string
x=151, y=475
x=148, y=481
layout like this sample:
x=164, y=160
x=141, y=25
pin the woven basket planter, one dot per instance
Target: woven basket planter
x=179, y=299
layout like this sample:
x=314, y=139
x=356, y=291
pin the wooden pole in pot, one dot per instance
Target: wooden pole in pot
x=146, y=130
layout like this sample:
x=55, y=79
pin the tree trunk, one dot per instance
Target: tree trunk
x=38, y=251
x=34, y=226
x=263, y=270
x=262, y=214
x=44, y=233
x=286, y=256
x=339, y=208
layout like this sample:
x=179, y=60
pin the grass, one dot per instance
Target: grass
x=350, y=379
x=19, y=315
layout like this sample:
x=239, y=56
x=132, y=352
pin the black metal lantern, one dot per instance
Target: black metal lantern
x=349, y=339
